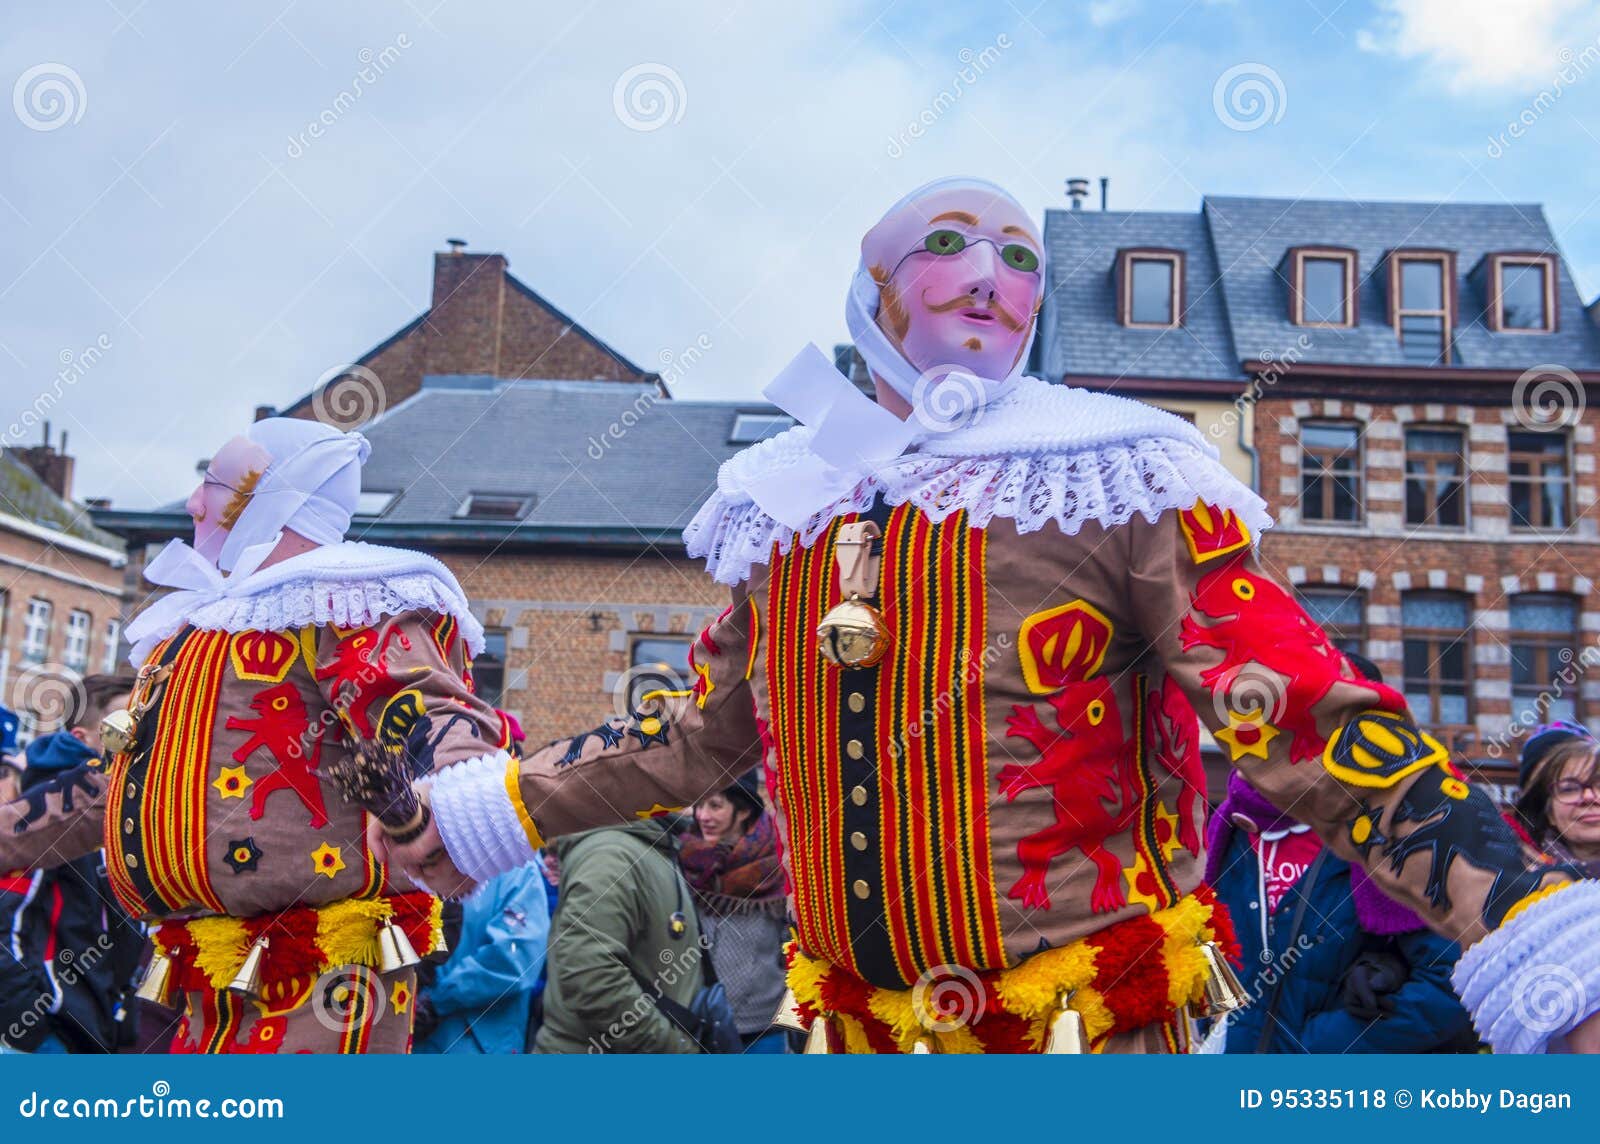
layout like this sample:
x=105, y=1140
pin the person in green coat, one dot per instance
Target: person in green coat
x=625, y=914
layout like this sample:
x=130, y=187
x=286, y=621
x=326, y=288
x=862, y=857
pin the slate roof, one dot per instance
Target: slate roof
x=600, y=454
x=23, y=494
x=1237, y=299
x=1080, y=330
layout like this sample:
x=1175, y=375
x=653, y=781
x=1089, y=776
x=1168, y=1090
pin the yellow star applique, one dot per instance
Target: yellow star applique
x=1140, y=876
x=1246, y=735
x=1170, y=845
x=400, y=998
x=325, y=860
x=656, y=811
x=233, y=782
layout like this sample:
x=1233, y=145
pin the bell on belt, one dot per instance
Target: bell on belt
x=117, y=732
x=788, y=1015
x=1224, y=994
x=1067, y=1031
x=395, y=950
x=853, y=634
x=817, y=1039
x=157, y=981
x=248, y=980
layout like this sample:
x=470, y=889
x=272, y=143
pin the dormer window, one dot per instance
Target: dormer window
x=1149, y=285
x=1322, y=286
x=494, y=506
x=1422, y=303
x=1522, y=293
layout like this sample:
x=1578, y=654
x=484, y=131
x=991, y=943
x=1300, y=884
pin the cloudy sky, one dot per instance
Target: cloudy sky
x=666, y=173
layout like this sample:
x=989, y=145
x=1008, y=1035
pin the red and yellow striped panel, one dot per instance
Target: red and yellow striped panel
x=937, y=876
x=172, y=814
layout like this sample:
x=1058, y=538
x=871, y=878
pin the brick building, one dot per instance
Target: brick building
x=1405, y=384
x=553, y=476
x=61, y=584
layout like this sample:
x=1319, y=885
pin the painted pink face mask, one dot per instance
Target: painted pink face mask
x=959, y=272
x=223, y=492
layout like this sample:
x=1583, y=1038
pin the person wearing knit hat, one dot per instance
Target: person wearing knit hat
x=278, y=654
x=1559, y=803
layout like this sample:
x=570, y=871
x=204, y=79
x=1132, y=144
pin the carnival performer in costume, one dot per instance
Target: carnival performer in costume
x=972, y=625
x=281, y=647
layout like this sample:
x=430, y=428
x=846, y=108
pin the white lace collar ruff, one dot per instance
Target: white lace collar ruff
x=1041, y=453
x=351, y=584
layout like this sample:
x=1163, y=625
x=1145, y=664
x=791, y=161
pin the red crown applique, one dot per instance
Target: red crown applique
x=1063, y=645
x=1212, y=532
x=263, y=657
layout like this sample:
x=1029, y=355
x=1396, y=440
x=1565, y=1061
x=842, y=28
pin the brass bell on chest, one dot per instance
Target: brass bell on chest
x=117, y=732
x=853, y=634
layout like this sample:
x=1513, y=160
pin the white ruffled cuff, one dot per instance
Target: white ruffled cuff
x=485, y=827
x=1532, y=980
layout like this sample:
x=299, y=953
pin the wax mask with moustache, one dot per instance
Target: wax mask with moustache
x=224, y=491
x=958, y=269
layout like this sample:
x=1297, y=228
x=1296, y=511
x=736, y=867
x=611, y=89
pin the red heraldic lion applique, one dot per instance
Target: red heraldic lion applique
x=1085, y=759
x=1259, y=629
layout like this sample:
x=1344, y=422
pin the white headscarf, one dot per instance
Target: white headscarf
x=310, y=487
x=851, y=434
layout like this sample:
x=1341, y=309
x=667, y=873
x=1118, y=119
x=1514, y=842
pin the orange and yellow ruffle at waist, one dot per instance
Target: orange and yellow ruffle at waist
x=1126, y=976
x=302, y=943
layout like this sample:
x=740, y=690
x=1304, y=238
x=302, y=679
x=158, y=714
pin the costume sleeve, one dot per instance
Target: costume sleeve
x=407, y=679
x=1344, y=755
x=495, y=812
x=55, y=821
x=515, y=923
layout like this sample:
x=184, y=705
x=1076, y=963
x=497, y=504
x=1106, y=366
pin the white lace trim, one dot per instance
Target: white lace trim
x=1105, y=484
x=349, y=585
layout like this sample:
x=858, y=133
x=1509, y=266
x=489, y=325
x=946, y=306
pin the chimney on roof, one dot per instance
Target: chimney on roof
x=456, y=245
x=1105, y=191
x=49, y=463
x=464, y=327
x=1077, y=191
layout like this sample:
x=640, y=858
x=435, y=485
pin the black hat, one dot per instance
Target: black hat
x=1545, y=738
x=746, y=792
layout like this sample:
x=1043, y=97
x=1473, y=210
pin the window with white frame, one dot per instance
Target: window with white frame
x=75, y=652
x=36, y=630
x=108, y=655
x=1421, y=291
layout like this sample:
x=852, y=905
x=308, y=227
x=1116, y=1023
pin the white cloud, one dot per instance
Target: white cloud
x=1479, y=43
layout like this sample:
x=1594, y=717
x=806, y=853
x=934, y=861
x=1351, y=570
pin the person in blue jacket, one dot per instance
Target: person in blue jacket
x=478, y=1003
x=1361, y=974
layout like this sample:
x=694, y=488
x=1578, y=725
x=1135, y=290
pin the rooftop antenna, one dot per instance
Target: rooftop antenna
x=1105, y=190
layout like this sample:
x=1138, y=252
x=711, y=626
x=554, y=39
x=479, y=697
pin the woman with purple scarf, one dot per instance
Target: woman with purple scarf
x=1332, y=964
x=732, y=861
